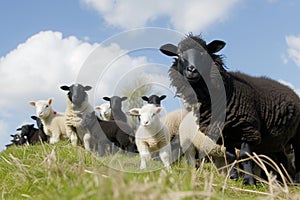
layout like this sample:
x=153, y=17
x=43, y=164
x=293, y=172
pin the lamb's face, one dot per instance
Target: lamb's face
x=26, y=130
x=154, y=99
x=43, y=108
x=148, y=114
x=105, y=110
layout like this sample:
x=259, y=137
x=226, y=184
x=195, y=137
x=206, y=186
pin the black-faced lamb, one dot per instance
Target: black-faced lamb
x=54, y=122
x=117, y=113
x=154, y=99
x=77, y=103
x=104, y=133
x=152, y=135
x=262, y=115
x=17, y=140
x=40, y=135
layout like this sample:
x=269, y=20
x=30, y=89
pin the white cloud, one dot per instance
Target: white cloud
x=185, y=16
x=39, y=66
x=293, y=51
x=291, y=86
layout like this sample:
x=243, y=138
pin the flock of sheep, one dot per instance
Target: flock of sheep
x=261, y=116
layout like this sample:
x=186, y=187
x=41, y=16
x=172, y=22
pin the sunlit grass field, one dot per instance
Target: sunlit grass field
x=62, y=171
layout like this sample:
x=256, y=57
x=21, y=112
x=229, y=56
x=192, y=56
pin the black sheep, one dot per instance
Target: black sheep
x=31, y=134
x=40, y=134
x=106, y=132
x=17, y=140
x=154, y=99
x=262, y=115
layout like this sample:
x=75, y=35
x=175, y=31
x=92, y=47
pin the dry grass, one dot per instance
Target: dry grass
x=64, y=172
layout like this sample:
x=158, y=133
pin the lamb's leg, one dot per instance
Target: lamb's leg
x=247, y=165
x=54, y=137
x=164, y=155
x=190, y=155
x=145, y=156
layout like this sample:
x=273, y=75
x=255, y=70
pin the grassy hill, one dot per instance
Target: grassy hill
x=61, y=171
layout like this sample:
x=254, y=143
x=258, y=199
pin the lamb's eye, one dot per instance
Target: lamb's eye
x=47, y=106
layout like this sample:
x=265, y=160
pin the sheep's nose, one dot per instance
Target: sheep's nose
x=191, y=68
x=146, y=123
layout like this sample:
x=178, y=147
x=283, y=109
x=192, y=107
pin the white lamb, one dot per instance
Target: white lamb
x=54, y=123
x=105, y=111
x=152, y=135
x=193, y=141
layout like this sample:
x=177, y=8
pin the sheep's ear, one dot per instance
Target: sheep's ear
x=215, y=46
x=162, y=97
x=159, y=109
x=97, y=108
x=34, y=117
x=87, y=88
x=64, y=87
x=106, y=98
x=50, y=101
x=18, y=129
x=32, y=103
x=169, y=49
x=123, y=98
x=135, y=111
x=145, y=98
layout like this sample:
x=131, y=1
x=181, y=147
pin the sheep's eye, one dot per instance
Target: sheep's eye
x=47, y=106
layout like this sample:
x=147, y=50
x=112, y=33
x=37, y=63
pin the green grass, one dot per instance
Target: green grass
x=61, y=171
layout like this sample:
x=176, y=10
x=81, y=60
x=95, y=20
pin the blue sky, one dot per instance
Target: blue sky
x=44, y=44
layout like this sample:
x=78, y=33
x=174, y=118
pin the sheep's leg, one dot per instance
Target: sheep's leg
x=230, y=158
x=164, y=155
x=72, y=135
x=247, y=165
x=86, y=141
x=190, y=155
x=54, y=137
x=145, y=156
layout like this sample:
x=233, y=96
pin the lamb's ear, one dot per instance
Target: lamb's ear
x=123, y=98
x=158, y=110
x=87, y=88
x=106, y=98
x=34, y=117
x=215, y=46
x=50, y=101
x=64, y=87
x=145, y=98
x=135, y=111
x=169, y=49
x=97, y=108
x=19, y=129
x=32, y=103
x=162, y=97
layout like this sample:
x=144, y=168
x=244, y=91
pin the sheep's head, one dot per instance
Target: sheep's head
x=194, y=57
x=148, y=113
x=154, y=99
x=26, y=130
x=105, y=110
x=88, y=119
x=38, y=122
x=77, y=93
x=43, y=107
x=115, y=101
x=18, y=139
